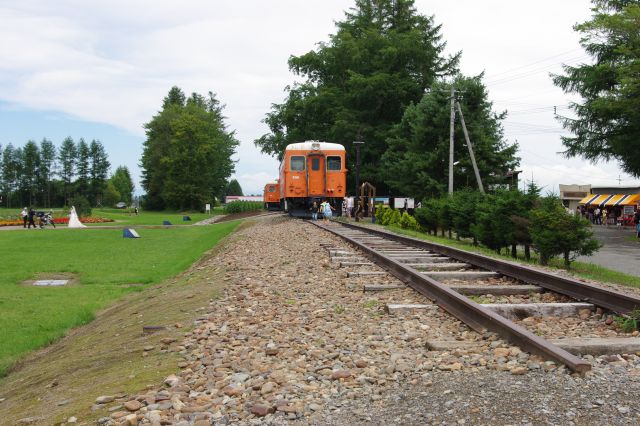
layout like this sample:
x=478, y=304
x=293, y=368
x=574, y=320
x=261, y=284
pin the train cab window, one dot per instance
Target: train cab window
x=334, y=163
x=315, y=164
x=297, y=163
x=272, y=189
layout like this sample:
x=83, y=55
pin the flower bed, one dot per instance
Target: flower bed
x=57, y=221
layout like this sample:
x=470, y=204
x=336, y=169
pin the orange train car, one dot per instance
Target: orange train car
x=272, y=196
x=312, y=171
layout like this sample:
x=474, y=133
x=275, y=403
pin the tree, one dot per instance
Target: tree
x=608, y=116
x=47, y=168
x=417, y=159
x=123, y=184
x=234, y=188
x=67, y=159
x=187, y=154
x=31, y=169
x=381, y=59
x=98, y=172
x=111, y=196
x=556, y=232
x=83, y=168
x=11, y=165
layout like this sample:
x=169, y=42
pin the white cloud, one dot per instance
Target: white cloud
x=113, y=62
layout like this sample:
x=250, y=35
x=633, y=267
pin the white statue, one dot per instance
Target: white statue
x=74, y=222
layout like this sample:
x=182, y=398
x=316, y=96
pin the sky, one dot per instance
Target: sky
x=100, y=70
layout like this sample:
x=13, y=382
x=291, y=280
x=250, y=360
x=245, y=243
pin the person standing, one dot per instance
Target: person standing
x=314, y=211
x=636, y=220
x=31, y=215
x=327, y=211
x=25, y=214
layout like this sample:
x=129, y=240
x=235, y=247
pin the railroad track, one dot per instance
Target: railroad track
x=442, y=274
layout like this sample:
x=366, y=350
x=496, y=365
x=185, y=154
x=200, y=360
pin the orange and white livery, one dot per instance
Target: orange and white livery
x=272, y=196
x=312, y=171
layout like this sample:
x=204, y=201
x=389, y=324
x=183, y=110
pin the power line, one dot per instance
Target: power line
x=491, y=76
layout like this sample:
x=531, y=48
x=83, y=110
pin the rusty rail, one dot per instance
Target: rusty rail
x=463, y=308
x=608, y=299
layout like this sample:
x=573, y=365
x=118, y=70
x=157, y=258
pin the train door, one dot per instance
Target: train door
x=316, y=179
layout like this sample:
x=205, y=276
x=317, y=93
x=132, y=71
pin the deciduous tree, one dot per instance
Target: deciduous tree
x=122, y=182
x=187, y=154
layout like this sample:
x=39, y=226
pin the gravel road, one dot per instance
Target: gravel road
x=293, y=341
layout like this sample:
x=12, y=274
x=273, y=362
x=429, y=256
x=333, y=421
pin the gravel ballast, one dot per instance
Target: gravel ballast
x=294, y=340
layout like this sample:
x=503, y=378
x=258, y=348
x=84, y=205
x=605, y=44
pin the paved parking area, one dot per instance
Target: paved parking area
x=619, y=252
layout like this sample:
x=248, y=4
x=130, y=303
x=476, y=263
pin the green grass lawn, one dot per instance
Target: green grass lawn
x=124, y=217
x=105, y=265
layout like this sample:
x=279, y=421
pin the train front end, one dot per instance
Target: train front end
x=312, y=171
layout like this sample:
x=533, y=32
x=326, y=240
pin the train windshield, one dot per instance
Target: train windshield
x=297, y=163
x=272, y=189
x=334, y=163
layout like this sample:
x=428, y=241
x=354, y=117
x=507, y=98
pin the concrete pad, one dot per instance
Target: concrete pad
x=524, y=310
x=462, y=275
x=443, y=266
x=50, y=283
x=599, y=345
x=407, y=309
x=366, y=274
x=498, y=290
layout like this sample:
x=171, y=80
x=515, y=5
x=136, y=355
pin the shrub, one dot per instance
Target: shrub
x=394, y=217
x=554, y=232
x=82, y=205
x=407, y=221
x=427, y=216
x=243, y=206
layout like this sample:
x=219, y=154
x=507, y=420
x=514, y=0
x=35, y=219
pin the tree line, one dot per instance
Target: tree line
x=383, y=78
x=41, y=174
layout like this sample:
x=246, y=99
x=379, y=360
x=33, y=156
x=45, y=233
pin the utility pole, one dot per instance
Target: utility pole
x=473, y=157
x=451, y=123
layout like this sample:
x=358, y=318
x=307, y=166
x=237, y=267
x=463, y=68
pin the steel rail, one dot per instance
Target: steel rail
x=471, y=313
x=608, y=299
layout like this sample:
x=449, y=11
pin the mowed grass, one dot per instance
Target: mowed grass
x=104, y=267
x=124, y=217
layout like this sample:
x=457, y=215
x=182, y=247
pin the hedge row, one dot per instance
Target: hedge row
x=504, y=220
x=243, y=206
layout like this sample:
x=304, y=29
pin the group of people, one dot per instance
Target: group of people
x=324, y=208
x=29, y=217
x=599, y=216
